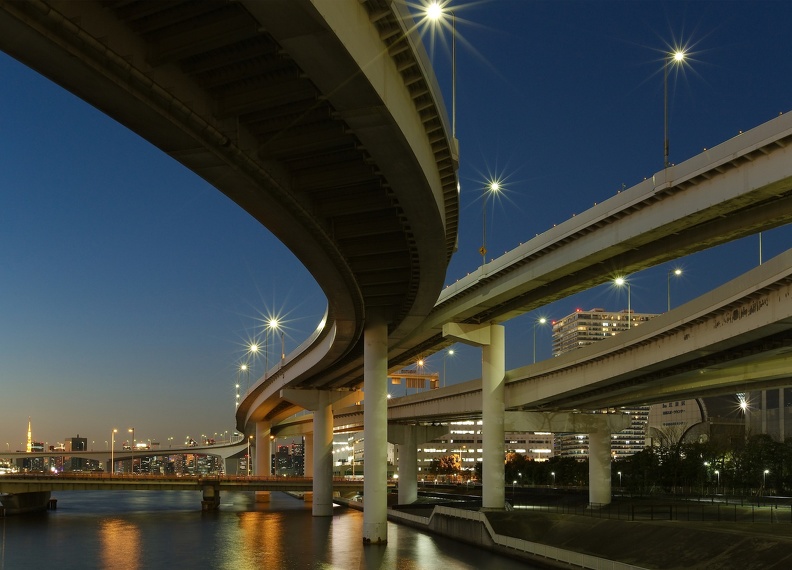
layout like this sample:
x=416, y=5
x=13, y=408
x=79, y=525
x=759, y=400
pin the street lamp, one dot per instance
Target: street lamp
x=539, y=321
x=622, y=282
x=132, y=447
x=717, y=485
x=764, y=477
x=253, y=351
x=553, y=474
x=493, y=187
x=620, y=479
x=676, y=272
x=248, y=455
x=272, y=324
x=447, y=353
x=112, y=450
x=435, y=11
x=676, y=57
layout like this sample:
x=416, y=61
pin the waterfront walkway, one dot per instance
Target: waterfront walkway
x=663, y=534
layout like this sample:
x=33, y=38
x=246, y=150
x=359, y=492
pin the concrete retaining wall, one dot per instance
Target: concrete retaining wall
x=474, y=528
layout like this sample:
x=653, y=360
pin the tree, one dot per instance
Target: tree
x=446, y=465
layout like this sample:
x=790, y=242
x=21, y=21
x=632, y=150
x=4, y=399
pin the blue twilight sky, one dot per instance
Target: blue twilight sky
x=129, y=287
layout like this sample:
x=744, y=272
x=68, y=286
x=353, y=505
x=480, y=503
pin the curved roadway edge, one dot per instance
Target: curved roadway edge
x=736, y=338
x=738, y=188
x=370, y=94
x=376, y=91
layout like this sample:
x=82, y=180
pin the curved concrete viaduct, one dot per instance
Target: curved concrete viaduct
x=737, y=188
x=322, y=119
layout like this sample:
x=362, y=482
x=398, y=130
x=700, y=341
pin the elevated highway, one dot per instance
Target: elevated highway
x=322, y=119
x=738, y=188
x=736, y=338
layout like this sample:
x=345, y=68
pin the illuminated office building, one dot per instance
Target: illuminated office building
x=583, y=328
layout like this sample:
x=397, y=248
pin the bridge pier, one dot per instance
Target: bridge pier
x=407, y=437
x=263, y=449
x=599, y=428
x=493, y=373
x=18, y=503
x=599, y=468
x=211, y=497
x=375, y=431
x=321, y=403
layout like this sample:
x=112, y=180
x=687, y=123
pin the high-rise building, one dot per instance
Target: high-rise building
x=583, y=328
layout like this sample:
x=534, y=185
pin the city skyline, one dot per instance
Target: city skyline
x=131, y=288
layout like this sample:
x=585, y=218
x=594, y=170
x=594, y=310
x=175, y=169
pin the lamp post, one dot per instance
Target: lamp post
x=622, y=282
x=132, y=447
x=447, y=353
x=253, y=351
x=764, y=478
x=539, y=321
x=676, y=272
x=112, y=450
x=675, y=57
x=717, y=485
x=620, y=479
x=248, y=455
x=272, y=324
x=435, y=11
x=492, y=188
x=553, y=474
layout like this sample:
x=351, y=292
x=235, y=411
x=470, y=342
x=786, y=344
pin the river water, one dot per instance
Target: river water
x=137, y=530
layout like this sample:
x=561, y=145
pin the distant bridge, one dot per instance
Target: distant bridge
x=34, y=483
x=29, y=492
x=221, y=450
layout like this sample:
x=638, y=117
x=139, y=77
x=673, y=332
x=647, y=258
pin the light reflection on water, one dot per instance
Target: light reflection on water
x=139, y=530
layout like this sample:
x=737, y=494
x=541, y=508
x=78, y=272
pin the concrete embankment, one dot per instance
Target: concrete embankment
x=575, y=541
x=19, y=503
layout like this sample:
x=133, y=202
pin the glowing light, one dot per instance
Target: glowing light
x=679, y=55
x=434, y=11
x=253, y=347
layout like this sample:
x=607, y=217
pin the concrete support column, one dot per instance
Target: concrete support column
x=308, y=455
x=764, y=411
x=408, y=468
x=781, y=425
x=321, y=441
x=375, y=431
x=600, y=468
x=407, y=437
x=263, y=453
x=493, y=371
x=263, y=463
x=323, y=457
